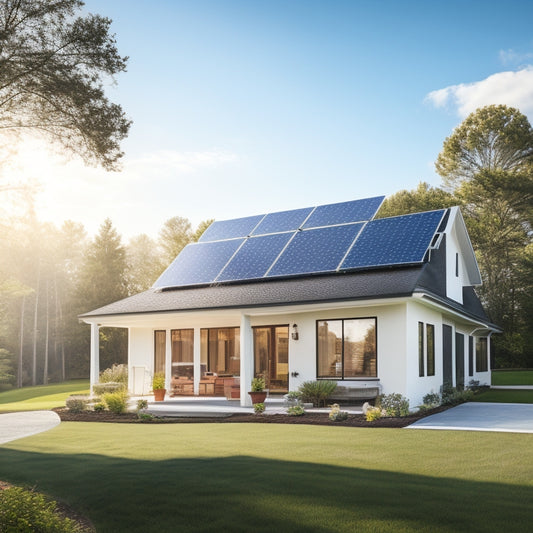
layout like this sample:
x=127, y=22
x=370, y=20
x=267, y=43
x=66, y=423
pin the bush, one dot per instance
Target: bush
x=432, y=399
x=115, y=374
x=111, y=386
x=27, y=511
x=142, y=404
x=336, y=414
x=77, y=404
x=117, y=402
x=317, y=392
x=453, y=396
x=259, y=408
x=295, y=410
x=393, y=404
x=294, y=395
x=98, y=407
x=373, y=413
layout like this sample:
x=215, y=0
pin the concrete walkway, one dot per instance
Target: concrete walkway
x=15, y=426
x=472, y=416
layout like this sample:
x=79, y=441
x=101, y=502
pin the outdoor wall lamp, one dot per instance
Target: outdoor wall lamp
x=295, y=335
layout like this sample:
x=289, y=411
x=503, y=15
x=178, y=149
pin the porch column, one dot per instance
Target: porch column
x=247, y=360
x=197, y=360
x=168, y=358
x=95, y=355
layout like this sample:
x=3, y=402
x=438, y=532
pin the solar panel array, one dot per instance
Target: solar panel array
x=329, y=238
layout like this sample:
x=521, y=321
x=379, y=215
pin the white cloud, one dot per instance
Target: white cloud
x=513, y=88
x=513, y=57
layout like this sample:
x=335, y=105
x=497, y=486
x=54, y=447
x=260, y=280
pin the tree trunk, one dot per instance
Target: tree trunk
x=35, y=318
x=21, y=351
x=45, y=372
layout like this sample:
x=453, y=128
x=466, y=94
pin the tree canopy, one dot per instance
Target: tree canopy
x=53, y=64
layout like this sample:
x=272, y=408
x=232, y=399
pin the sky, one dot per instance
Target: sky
x=248, y=107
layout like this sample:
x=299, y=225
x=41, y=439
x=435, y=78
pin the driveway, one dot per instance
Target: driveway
x=23, y=424
x=472, y=416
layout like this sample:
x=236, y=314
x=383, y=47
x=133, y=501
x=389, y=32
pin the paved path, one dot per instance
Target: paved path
x=23, y=424
x=472, y=416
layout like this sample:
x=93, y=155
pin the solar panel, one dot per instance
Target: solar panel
x=344, y=212
x=394, y=241
x=230, y=229
x=255, y=257
x=282, y=221
x=198, y=263
x=315, y=250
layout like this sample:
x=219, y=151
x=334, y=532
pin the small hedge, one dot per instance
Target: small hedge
x=77, y=404
x=116, y=402
x=104, y=388
x=317, y=392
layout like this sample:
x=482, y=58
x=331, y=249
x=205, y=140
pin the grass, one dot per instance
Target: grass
x=267, y=477
x=505, y=396
x=512, y=377
x=41, y=397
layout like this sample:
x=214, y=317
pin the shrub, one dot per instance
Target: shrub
x=98, y=407
x=115, y=374
x=116, y=402
x=317, y=392
x=142, y=404
x=393, y=404
x=258, y=385
x=453, y=396
x=77, y=404
x=295, y=410
x=432, y=399
x=111, y=386
x=26, y=511
x=158, y=381
x=294, y=395
x=373, y=413
x=336, y=414
x=259, y=408
x=145, y=416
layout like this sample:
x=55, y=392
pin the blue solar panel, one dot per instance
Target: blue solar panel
x=198, y=263
x=255, y=257
x=230, y=229
x=345, y=212
x=317, y=250
x=394, y=241
x=282, y=221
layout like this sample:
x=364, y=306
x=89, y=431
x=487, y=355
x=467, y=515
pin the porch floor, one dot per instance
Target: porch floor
x=209, y=407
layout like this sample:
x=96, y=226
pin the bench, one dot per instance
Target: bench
x=358, y=394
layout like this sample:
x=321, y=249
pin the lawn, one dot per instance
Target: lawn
x=42, y=396
x=505, y=396
x=287, y=478
x=512, y=377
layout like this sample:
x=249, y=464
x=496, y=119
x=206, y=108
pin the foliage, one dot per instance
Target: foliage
x=52, y=68
x=158, y=381
x=201, y=228
x=103, y=388
x=117, y=402
x=98, y=407
x=432, y=399
x=7, y=374
x=294, y=395
x=142, y=404
x=259, y=408
x=454, y=396
x=317, y=392
x=258, y=385
x=28, y=511
x=115, y=374
x=175, y=234
x=336, y=415
x=296, y=410
x=77, y=404
x=145, y=263
x=393, y=404
x=373, y=413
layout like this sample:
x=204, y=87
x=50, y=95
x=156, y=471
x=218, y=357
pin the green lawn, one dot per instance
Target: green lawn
x=285, y=478
x=512, y=377
x=505, y=396
x=42, y=396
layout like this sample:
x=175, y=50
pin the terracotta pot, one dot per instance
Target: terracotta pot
x=159, y=394
x=258, y=397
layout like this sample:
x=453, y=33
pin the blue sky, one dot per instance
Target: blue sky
x=243, y=107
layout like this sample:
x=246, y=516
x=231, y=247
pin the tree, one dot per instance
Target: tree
x=423, y=198
x=53, y=63
x=175, y=234
x=144, y=263
x=487, y=163
x=201, y=228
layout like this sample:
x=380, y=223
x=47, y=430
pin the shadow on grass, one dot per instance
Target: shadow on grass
x=243, y=493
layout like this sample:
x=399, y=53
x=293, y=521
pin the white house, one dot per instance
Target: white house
x=320, y=293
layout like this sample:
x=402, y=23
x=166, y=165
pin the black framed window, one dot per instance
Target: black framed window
x=430, y=349
x=346, y=348
x=481, y=355
x=421, y=349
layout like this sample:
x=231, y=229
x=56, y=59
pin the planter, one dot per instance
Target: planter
x=159, y=394
x=258, y=397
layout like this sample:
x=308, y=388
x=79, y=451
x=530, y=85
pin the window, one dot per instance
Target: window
x=160, y=342
x=182, y=352
x=481, y=355
x=456, y=265
x=346, y=349
x=470, y=356
x=430, y=349
x=420, y=349
x=220, y=351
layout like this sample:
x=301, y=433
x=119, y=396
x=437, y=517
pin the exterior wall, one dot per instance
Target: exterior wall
x=455, y=284
x=140, y=359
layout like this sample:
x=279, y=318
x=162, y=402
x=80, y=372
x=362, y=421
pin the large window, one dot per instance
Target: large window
x=430, y=349
x=183, y=353
x=346, y=349
x=220, y=351
x=160, y=341
x=421, y=349
x=481, y=355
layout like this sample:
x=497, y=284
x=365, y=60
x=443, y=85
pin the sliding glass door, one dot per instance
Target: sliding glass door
x=271, y=356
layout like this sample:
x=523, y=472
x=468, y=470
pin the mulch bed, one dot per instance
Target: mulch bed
x=318, y=419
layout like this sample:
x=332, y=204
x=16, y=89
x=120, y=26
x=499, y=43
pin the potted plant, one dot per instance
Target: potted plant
x=158, y=386
x=258, y=393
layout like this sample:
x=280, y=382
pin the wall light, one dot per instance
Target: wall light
x=295, y=335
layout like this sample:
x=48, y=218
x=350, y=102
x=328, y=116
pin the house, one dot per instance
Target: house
x=378, y=305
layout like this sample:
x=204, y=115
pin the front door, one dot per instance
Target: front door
x=271, y=357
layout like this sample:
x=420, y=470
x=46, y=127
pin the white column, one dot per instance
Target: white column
x=247, y=360
x=95, y=355
x=168, y=358
x=197, y=360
